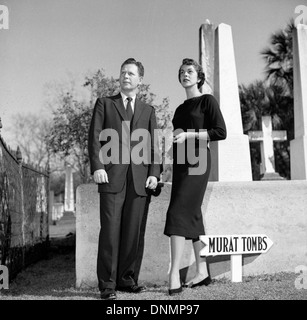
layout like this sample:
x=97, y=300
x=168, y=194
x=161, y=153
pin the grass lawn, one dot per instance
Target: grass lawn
x=54, y=279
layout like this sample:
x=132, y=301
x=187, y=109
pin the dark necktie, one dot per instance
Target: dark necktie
x=129, y=109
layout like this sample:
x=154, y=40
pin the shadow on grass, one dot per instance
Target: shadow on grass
x=55, y=278
x=52, y=277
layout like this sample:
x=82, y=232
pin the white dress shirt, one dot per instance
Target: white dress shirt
x=124, y=97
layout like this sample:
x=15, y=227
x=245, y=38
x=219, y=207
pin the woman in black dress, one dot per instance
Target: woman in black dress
x=199, y=120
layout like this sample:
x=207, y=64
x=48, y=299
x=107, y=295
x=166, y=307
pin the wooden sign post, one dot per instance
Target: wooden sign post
x=235, y=246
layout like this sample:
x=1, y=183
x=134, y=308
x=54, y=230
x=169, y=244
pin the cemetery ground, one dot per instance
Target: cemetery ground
x=54, y=279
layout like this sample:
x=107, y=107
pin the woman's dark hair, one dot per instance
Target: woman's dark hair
x=200, y=73
x=137, y=63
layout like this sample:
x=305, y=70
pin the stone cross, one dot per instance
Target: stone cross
x=69, y=204
x=298, y=146
x=230, y=157
x=266, y=137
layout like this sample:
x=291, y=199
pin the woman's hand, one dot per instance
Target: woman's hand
x=182, y=136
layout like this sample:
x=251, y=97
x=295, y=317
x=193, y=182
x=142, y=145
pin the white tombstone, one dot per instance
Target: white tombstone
x=266, y=137
x=57, y=211
x=298, y=146
x=50, y=206
x=69, y=203
x=231, y=157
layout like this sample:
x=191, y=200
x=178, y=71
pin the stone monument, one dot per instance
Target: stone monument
x=206, y=55
x=69, y=203
x=298, y=146
x=230, y=157
x=266, y=137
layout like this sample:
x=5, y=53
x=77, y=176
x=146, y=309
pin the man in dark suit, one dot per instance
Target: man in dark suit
x=124, y=172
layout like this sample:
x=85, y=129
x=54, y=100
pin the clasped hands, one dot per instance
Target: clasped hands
x=101, y=176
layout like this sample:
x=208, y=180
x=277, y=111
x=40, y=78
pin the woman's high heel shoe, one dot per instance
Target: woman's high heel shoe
x=174, y=291
x=204, y=282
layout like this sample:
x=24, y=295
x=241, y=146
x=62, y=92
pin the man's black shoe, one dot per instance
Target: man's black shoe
x=131, y=289
x=108, y=294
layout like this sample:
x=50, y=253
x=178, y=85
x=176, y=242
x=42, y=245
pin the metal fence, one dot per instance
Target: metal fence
x=24, y=228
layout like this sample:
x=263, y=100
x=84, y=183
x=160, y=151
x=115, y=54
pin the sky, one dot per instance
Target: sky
x=53, y=40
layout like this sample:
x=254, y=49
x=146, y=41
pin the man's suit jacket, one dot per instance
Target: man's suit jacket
x=108, y=122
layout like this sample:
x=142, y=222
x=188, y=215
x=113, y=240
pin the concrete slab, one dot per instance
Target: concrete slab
x=275, y=208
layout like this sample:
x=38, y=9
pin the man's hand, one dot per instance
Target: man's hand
x=151, y=182
x=101, y=176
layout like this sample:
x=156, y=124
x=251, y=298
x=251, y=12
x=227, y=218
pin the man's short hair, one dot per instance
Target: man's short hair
x=137, y=63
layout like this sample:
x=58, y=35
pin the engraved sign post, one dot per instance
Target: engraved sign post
x=235, y=246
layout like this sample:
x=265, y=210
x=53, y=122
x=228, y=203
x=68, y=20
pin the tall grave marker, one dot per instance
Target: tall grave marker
x=206, y=55
x=230, y=157
x=298, y=146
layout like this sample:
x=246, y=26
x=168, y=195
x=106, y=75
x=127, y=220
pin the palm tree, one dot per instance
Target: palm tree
x=279, y=59
x=279, y=72
x=262, y=99
x=252, y=98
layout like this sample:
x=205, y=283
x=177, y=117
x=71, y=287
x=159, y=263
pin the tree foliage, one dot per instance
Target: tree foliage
x=279, y=59
x=30, y=131
x=262, y=99
x=68, y=134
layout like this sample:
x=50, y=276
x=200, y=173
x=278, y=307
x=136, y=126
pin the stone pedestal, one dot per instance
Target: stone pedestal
x=298, y=154
x=271, y=176
x=299, y=144
x=230, y=159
